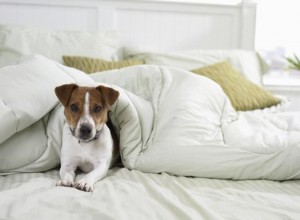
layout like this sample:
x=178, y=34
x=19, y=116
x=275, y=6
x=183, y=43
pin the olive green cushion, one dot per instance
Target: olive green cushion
x=92, y=65
x=243, y=94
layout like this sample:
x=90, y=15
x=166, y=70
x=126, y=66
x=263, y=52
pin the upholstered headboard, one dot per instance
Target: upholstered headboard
x=156, y=24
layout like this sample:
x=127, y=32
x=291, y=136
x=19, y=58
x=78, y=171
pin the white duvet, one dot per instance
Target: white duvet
x=169, y=120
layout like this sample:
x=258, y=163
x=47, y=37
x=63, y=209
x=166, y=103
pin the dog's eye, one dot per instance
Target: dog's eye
x=74, y=108
x=97, y=109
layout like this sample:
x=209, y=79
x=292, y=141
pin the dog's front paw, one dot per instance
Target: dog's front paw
x=67, y=183
x=84, y=185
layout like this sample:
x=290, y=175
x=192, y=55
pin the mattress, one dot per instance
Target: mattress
x=130, y=194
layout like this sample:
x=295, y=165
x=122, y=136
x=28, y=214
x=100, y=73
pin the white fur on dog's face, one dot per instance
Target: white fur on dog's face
x=86, y=123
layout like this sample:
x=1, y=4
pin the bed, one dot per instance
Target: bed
x=213, y=156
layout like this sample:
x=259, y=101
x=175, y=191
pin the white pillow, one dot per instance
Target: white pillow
x=16, y=41
x=247, y=62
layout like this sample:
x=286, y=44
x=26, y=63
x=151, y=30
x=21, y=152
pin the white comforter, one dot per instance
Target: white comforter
x=169, y=120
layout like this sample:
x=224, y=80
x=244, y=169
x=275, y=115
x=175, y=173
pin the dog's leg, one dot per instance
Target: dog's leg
x=67, y=175
x=88, y=181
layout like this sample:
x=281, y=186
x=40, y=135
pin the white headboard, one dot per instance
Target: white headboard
x=153, y=24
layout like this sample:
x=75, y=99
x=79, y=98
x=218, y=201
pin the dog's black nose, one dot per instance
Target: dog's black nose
x=85, y=130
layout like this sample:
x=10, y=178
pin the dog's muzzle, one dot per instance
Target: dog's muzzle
x=85, y=133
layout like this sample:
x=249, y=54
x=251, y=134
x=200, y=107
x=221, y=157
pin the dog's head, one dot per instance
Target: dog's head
x=86, y=108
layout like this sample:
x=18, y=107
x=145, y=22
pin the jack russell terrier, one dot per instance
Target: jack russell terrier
x=89, y=142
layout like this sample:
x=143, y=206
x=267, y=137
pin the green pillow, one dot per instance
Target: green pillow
x=92, y=65
x=243, y=94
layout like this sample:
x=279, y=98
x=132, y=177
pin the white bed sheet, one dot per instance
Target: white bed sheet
x=126, y=194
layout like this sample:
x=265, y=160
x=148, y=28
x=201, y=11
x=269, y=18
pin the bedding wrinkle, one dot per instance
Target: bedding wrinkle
x=8, y=165
x=131, y=194
x=160, y=93
x=172, y=198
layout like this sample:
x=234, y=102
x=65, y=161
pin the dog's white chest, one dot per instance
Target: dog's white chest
x=86, y=156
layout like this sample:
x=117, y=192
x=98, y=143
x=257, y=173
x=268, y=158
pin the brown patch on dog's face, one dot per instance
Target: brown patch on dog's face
x=98, y=107
x=74, y=109
x=86, y=108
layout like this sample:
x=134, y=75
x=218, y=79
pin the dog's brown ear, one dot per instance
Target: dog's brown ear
x=110, y=95
x=64, y=92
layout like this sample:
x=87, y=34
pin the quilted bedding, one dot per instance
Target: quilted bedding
x=168, y=120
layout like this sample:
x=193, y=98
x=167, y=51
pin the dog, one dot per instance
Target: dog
x=89, y=142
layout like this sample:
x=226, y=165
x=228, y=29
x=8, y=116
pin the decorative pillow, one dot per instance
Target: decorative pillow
x=92, y=65
x=16, y=41
x=247, y=62
x=243, y=94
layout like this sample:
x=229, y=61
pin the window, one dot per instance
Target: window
x=278, y=37
x=277, y=32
